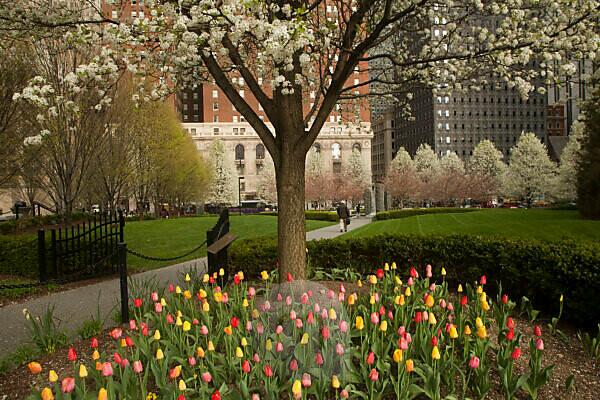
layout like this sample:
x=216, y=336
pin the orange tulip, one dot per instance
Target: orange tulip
x=47, y=394
x=34, y=367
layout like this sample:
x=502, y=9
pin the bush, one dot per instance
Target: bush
x=27, y=222
x=19, y=255
x=540, y=270
x=411, y=212
x=312, y=215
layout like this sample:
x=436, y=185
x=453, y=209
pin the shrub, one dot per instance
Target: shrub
x=19, y=255
x=312, y=215
x=411, y=212
x=540, y=270
x=28, y=223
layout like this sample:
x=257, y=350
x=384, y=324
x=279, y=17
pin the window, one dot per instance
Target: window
x=235, y=131
x=114, y=14
x=215, y=106
x=215, y=118
x=356, y=147
x=215, y=94
x=215, y=131
x=260, y=151
x=356, y=82
x=239, y=152
x=336, y=151
x=134, y=14
x=141, y=14
x=235, y=119
x=260, y=81
x=242, y=94
x=242, y=131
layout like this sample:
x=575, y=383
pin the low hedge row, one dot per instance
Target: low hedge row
x=411, y=212
x=19, y=256
x=540, y=270
x=27, y=222
x=313, y=215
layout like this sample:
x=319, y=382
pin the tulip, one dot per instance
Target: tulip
x=432, y=319
x=324, y=314
x=539, y=344
x=102, y=394
x=339, y=349
x=325, y=332
x=481, y=332
x=319, y=359
x=206, y=377
x=238, y=352
x=187, y=326
x=52, y=376
x=256, y=358
x=332, y=314
x=435, y=353
x=516, y=353
x=310, y=318
x=34, y=367
x=370, y=358
x=510, y=335
x=410, y=365
x=138, y=367
x=181, y=386
x=504, y=299
x=246, y=366
x=159, y=354
x=264, y=275
x=452, y=332
x=384, y=325
x=410, y=281
x=47, y=394
x=72, y=354
x=343, y=325
x=397, y=357
x=537, y=331
x=474, y=362
x=360, y=323
x=268, y=371
x=293, y=365
x=335, y=382
x=297, y=389
x=95, y=355
x=372, y=279
x=374, y=318
x=306, y=380
x=467, y=330
x=67, y=385
x=82, y=371
x=216, y=395
x=351, y=300
x=137, y=302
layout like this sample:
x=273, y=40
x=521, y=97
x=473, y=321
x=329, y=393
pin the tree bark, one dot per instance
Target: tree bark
x=291, y=249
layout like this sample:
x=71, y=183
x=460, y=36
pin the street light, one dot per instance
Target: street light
x=240, y=179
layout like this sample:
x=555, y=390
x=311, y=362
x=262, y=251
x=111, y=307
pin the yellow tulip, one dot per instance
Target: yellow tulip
x=351, y=300
x=394, y=265
x=187, y=277
x=432, y=320
x=52, y=376
x=82, y=371
x=481, y=332
x=561, y=298
x=187, y=326
x=47, y=394
x=372, y=300
x=478, y=322
x=398, y=281
x=269, y=345
x=359, y=283
x=123, y=343
x=157, y=335
x=384, y=325
x=244, y=342
x=400, y=300
x=218, y=296
x=304, y=339
x=297, y=389
x=360, y=323
x=435, y=353
x=221, y=272
x=177, y=289
x=332, y=314
x=187, y=294
x=485, y=306
x=245, y=303
x=205, y=278
x=255, y=313
x=429, y=301
x=205, y=306
x=372, y=279
x=397, y=355
x=163, y=302
x=407, y=292
x=453, y=332
x=211, y=346
x=202, y=293
x=443, y=271
x=264, y=275
x=181, y=385
x=178, y=321
x=460, y=288
x=200, y=352
x=479, y=289
x=467, y=330
x=95, y=355
x=335, y=382
x=483, y=297
x=159, y=354
x=102, y=394
x=241, y=275
x=386, y=267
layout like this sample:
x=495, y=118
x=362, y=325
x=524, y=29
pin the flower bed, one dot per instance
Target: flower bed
x=398, y=336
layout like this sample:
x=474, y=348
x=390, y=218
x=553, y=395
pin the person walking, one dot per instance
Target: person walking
x=344, y=216
x=358, y=210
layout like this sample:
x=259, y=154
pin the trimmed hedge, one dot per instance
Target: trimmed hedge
x=540, y=270
x=411, y=212
x=313, y=215
x=27, y=222
x=19, y=256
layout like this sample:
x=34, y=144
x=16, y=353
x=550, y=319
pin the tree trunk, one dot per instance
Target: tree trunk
x=291, y=233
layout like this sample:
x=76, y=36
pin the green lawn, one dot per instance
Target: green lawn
x=535, y=223
x=172, y=237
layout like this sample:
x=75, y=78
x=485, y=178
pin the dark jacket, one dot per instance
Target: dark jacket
x=343, y=212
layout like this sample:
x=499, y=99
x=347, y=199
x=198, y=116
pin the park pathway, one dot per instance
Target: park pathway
x=75, y=306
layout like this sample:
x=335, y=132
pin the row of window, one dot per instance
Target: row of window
x=528, y=113
x=446, y=100
x=446, y=126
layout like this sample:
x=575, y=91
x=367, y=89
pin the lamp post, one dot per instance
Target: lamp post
x=240, y=179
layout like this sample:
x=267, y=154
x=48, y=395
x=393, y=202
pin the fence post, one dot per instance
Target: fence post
x=121, y=227
x=123, y=282
x=42, y=261
x=54, y=254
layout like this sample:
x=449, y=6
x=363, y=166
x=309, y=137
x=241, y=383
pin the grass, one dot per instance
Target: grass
x=172, y=237
x=534, y=223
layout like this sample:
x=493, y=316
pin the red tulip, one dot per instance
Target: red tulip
x=379, y=273
x=246, y=365
x=144, y=329
x=94, y=343
x=374, y=375
x=68, y=384
x=234, y=322
x=464, y=300
x=382, y=310
x=510, y=335
x=290, y=278
x=216, y=395
x=72, y=354
x=434, y=341
x=181, y=397
x=370, y=358
x=211, y=280
x=268, y=371
x=418, y=317
x=510, y=323
x=117, y=357
x=504, y=299
x=413, y=272
x=483, y=280
x=319, y=359
x=516, y=353
x=236, y=280
x=293, y=365
x=137, y=302
x=325, y=332
x=537, y=331
x=171, y=288
x=129, y=341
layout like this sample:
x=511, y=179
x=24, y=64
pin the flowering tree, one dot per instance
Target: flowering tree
x=486, y=170
x=222, y=190
x=401, y=181
x=448, y=183
x=570, y=158
x=267, y=185
x=530, y=173
x=299, y=47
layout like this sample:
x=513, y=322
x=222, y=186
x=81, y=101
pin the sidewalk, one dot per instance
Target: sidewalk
x=77, y=305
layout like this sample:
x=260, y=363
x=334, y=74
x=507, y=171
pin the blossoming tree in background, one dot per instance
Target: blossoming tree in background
x=296, y=47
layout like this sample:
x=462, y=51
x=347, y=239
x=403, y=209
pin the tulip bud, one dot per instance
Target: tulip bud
x=374, y=375
x=539, y=344
x=370, y=358
x=397, y=355
x=474, y=362
x=206, y=377
x=537, y=331
x=82, y=371
x=138, y=367
x=516, y=353
x=306, y=380
x=297, y=389
x=335, y=382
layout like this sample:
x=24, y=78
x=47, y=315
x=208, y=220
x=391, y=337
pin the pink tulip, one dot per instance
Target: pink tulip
x=170, y=319
x=251, y=292
x=410, y=281
x=539, y=344
x=401, y=330
x=317, y=308
x=390, y=315
x=288, y=300
x=256, y=358
x=304, y=298
x=118, y=358
x=344, y=394
x=204, y=330
x=206, y=377
x=299, y=323
x=225, y=298
x=474, y=362
x=319, y=359
x=341, y=297
x=450, y=307
x=279, y=297
x=343, y=326
x=293, y=365
x=249, y=326
x=158, y=308
x=403, y=344
x=138, y=367
x=195, y=322
x=310, y=293
x=192, y=361
x=171, y=288
x=266, y=306
x=132, y=325
x=339, y=349
x=432, y=287
x=293, y=315
x=279, y=329
x=330, y=294
x=483, y=280
x=260, y=328
x=306, y=380
x=342, y=288
x=443, y=303
x=370, y=358
x=279, y=347
x=67, y=385
x=324, y=314
x=374, y=318
x=428, y=273
x=374, y=375
x=124, y=363
x=310, y=319
x=325, y=332
x=107, y=369
x=255, y=396
x=116, y=333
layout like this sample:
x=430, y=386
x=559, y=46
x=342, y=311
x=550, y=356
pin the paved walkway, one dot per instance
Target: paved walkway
x=77, y=305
